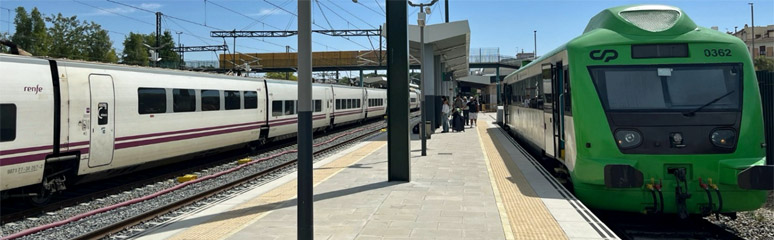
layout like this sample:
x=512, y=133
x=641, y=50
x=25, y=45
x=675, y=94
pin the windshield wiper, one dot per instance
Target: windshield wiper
x=693, y=112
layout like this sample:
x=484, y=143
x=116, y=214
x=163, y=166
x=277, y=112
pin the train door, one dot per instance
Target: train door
x=329, y=104
x=102, y=111
x=557, y=82
x=548, y=106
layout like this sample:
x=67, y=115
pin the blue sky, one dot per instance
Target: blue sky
x=507, y=25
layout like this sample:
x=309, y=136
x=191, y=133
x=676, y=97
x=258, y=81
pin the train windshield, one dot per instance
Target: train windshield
x=669, y=87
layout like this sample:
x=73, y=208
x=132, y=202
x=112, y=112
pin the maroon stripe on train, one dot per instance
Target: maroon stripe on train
x=181, y=137
x=183, y=131
x=23, y=159
x=32, y=149
x=33, y=157
x=344, y=114
x=29, y=149
x=75, y=144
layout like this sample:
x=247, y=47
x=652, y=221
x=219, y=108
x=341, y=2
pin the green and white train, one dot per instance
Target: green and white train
x=648, y=112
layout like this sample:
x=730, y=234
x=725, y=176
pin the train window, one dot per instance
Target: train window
x=210, y=100
x=318, y=105
x=357, y=101
x=251, y=99
x=7, y=122
x=232, y=99
x=349, y=104
x=290, y=107
x=151, y=100
x=183, y=100
x=276, y=108
x=338, y=104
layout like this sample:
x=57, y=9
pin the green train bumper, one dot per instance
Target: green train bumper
x=672, y=187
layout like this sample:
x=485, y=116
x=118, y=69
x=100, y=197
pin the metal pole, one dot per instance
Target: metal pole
x=398, y=137
x=158, y=37
x=361, y=77
x=535, y=41
x=422, y=107
x=305, y=190
x=287, y=53
x=497, y=75
x=752, y=21
x=446, y=5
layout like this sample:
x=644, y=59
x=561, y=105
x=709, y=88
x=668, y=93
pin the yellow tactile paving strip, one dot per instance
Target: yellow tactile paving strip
x=228, y=223
x=527, y=215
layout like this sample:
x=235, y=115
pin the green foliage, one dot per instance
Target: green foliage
x=41, y=40
x=134, y=52
x=23, y=35
x=168, y=57
x=281, y=75
x=65, y=38
x=762, y=63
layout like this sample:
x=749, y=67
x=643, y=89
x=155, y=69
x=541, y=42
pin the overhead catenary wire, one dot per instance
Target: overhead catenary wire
x=189, y=21
x=372, y=10
x=113, y=12
x=350, y=13
x=380, y=6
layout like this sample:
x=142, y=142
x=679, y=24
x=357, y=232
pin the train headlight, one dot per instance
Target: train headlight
x=724, y=138
x=628, y=138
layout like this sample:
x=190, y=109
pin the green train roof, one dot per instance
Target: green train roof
x=652, y=20
x=638, y=21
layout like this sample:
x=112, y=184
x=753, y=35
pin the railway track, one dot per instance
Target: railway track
x=117, y=226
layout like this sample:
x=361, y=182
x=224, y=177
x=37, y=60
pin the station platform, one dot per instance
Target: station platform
x=475, y=184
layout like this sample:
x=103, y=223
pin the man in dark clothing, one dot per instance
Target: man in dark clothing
x=473, y=108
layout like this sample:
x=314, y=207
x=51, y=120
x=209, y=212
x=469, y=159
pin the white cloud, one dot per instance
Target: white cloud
x=267, y=11
x=150, y=6
x=122, y=9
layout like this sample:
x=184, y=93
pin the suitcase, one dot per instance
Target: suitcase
x=457, y=123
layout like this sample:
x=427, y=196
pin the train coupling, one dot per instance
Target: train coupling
x=681, y=190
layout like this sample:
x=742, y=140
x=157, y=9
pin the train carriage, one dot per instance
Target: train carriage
x=24, y=145
x=645, y=103
x=63, y=122
x=283, y=107
x=376, y=103
x=349, y=105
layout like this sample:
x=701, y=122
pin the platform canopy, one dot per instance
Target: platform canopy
x=450, y=41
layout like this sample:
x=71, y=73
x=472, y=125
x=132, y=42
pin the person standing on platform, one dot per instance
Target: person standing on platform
x=474, y=108
x=465, y=111
x=458, y=104
x=445, y=110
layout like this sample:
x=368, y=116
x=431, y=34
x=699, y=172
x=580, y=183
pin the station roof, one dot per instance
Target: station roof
x=450, y=40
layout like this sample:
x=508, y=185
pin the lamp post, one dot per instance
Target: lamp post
x=154, y=53
x=179, y=45
x=535, y=41
x=422, y=108
x=752, y=21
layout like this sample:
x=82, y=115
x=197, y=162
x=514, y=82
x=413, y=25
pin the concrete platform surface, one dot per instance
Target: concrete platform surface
x=471, y=185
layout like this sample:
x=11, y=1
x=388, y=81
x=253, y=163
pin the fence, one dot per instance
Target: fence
x=766, y=83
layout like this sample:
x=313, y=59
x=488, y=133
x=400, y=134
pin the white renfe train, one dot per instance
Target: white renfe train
x=64, y=120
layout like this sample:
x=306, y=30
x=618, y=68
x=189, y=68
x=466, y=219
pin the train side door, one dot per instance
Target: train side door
x=102, y=111
x=557, y=80
x=546, y=83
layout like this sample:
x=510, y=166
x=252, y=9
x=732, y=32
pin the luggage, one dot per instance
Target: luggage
x=457, y=123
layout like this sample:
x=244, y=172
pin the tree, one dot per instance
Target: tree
x=763, y=64
x=98, y=47
x=67, y=39
x=169, y=58
x=23, y=35
x=134, y=52
x=40, y=38
x=281, y=75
